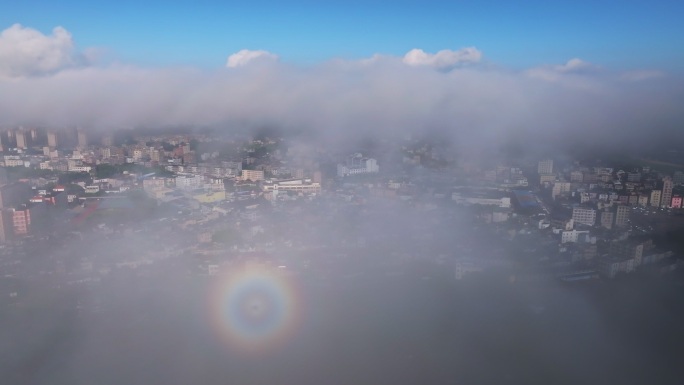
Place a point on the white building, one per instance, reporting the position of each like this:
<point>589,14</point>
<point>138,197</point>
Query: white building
<point>573,236</point>
<point>13,161</point>
<point>560,188</point>
<point>296,185</point>
<point>189,182</point>
<point>584,216</point>
<point>545,166</point>
<point>80,168</point>
<point>253,175</point>
<point>92,189</point>
<point>356,164</point>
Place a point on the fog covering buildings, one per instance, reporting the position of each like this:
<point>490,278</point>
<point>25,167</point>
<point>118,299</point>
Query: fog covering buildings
<point>428,268</point>
<point>399,220</point>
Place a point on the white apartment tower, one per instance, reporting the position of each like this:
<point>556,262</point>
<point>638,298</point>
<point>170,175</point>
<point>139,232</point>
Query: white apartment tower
<point>545,166</point>
<point>584,216</point>
<point>622,216</point>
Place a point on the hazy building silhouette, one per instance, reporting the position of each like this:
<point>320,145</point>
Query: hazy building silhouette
<point>666,197</point>
<point>656,197</point>
<point>52,139</point>
<point>21,139</point>
<point>82,139</point>
<point>107,140</point>
<point>622,216</point>
<point>607,219</point>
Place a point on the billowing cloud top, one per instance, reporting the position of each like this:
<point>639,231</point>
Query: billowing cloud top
<point>575,65</point>
<point>245,56</point>
<point>26,51</point>
<point>574,69</point>
<point>444,59</point>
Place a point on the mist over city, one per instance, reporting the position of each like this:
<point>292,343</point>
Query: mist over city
<point>348,193</point>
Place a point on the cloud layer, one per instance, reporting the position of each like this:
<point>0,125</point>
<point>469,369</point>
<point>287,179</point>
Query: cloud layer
<point>25,51</point>
<point>383,95</point>
<point>245,57</point>
<point>444,59</point>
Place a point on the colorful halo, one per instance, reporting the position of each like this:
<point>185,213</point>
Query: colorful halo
<point>255,308</point>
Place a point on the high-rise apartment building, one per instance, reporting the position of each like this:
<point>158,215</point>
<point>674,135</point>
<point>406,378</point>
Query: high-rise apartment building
<point>21,220</point>
<point>52,139</point>
<point>560,188</point>
<point>607,219</point>
<point>656,196</point>
<point>622,216</point>
<point>545,166</point>
<point>21,139</point>
<point>666,196</point>
<point>82,139</point>
<point>584,216</point>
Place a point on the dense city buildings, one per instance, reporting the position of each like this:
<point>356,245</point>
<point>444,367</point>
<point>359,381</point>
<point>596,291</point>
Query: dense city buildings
<point>144,210</point>
<point>207,186</point>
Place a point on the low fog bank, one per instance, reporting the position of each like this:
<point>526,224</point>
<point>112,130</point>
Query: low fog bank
<point>364,318</point>
<point>386,331</point>
<point>336,102</point>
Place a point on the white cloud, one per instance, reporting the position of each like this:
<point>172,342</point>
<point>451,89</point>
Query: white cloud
<point>246,56</point>
<point>575,65</point>
<point>573,72</point>
<point>347,99</point>
<point>26,51</point>
<point>444,59</point>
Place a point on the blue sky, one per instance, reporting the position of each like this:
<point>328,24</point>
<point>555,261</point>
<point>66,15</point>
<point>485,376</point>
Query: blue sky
<point>622,35</point>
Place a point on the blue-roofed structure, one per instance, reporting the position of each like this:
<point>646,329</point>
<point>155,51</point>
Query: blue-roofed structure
<point>525,199</point>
